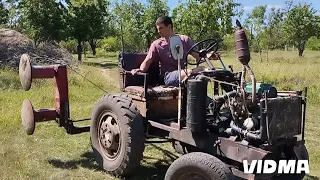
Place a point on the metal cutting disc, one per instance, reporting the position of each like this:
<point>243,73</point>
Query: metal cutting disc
<point>27,116</point>
<point>25,72</point>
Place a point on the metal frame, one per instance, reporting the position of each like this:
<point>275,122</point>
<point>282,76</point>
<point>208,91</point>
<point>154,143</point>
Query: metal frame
<point>61,113</point>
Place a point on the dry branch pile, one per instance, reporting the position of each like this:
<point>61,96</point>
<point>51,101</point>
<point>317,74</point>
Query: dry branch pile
<point>13,44</point>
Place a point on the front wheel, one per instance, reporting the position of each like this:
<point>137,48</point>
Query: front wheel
<point>198,166</point>
<point>117,134</point>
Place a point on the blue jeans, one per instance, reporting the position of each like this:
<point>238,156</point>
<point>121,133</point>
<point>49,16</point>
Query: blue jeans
<point>171,78</point>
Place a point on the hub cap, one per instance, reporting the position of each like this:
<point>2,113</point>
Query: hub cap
<point>109,135</point>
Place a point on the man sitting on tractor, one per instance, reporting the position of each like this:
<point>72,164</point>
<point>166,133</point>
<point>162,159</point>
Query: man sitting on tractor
<point>160,50</point>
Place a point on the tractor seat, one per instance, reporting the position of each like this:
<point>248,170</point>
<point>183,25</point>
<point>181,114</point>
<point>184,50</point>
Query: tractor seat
<point>136,84</point>
<point>156,92</point>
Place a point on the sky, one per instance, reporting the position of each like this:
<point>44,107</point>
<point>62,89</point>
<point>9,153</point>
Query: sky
<point>248,5</point>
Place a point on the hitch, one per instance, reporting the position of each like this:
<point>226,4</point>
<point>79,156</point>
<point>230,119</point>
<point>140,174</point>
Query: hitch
<point>60,113</point>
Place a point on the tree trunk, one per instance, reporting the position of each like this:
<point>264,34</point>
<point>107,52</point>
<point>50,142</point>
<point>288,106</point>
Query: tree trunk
<point>93,46</point>
<point>301,47</point>
<point>79,51</point>
<point>300,51</point>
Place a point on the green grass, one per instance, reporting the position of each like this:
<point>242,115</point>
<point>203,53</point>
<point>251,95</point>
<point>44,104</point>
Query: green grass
<point>52,154</point>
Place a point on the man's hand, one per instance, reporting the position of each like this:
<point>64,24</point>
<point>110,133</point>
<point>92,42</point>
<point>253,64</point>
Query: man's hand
<point>135,71</point>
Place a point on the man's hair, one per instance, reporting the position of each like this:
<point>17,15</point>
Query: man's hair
<point>164,20</point>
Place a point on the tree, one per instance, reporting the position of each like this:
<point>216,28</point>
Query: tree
<point>3,14</point>
<point>87,20</point>
<point>203,19</point>
<point>129,16</point>
<point>43,19</point>
<point>256,21</point>
<point>271,36</point>
<point>299,25</point>
<point>154,9</point>
<point>96,17</point>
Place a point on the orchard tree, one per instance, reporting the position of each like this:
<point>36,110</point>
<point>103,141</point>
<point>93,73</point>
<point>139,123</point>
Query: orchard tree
<point>204,19</point>
<point>129,17</point>
<point>299,25</point>
<point>43,19</point>
<point>256,22</point>
<point>87,22</point>
<point>273,31</point>
<point>154,9</point>
<point>14,13</point>
<point>3,14</point>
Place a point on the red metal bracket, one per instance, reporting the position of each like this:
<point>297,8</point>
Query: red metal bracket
<point>61,112</point>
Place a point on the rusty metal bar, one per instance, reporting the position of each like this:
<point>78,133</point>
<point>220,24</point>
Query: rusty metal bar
<point>163,126</point>
<point>62,95</point>
<point>239,152</point>
<point>42,115</point>
<point>43,72</point>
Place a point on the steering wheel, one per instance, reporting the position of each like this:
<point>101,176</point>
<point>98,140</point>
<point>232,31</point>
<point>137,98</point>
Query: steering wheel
<point>212,46</point>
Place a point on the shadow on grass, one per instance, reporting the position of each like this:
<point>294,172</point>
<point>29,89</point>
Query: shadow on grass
<point>154,170</point>
<point>106,55</point>
<point>107,64</point>
<point>87,161</point>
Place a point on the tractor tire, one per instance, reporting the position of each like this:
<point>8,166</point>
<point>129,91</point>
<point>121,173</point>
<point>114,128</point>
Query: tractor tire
<point>301,153</point>
<point>117,134</point>
<point>199,166</point>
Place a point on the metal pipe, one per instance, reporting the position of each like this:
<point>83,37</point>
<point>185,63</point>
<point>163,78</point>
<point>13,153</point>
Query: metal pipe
<point>243,78</point>
<point>244,132</point>
<point>253,80</point>
<point>180,93</point>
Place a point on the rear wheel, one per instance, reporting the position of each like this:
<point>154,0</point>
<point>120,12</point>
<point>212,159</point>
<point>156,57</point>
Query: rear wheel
<point>198,166</point>
<point>300,152</point>
<point>117,134</point>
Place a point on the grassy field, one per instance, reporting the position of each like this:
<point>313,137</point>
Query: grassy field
<point>52,154</point>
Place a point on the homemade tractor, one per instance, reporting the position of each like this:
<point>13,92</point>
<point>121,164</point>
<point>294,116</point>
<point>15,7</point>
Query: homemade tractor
<point>242,120</point>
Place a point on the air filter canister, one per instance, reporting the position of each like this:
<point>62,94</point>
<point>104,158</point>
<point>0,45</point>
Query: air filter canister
<point>196,105</point>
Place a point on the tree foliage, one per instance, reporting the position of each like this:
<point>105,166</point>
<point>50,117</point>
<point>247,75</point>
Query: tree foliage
<point>299,25</point>
<point>153,10</point>
<point>43,19</point>
<point>4,13</point>
<point>203,19</point>
<point>108,24</point>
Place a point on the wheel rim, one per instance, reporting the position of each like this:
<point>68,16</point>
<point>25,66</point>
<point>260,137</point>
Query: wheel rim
<point>109,135</point>
<point>192,176</point>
